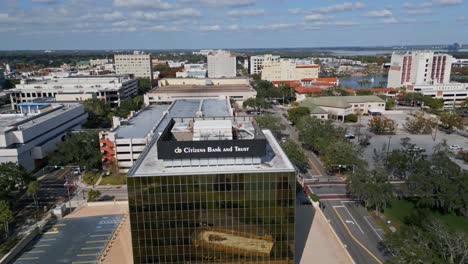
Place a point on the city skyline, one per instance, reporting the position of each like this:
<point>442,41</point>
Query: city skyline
<point>196,24</point>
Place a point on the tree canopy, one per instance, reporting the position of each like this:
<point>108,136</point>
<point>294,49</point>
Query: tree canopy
<point>13,177</point>
<point>372,187</point>
<point>80,149</point>
<point>270,122</point>
<point>296,155</point>
<point>296,113</point>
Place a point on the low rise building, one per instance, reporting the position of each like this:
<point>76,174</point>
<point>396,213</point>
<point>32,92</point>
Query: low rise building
<point>221,64</point>
<point>123,145</point>
<point>308,86</point>
<point>27,138</point>
<point>110,89</point>
<point>337,107</point>
<point>236,89</point>
<point>453,94</point>
<point>193,71</point>
<point>137,64</point>
<point>288,69</point>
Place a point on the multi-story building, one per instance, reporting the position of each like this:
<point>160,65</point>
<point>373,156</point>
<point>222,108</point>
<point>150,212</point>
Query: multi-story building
<point>256,62</point>
<point>419,67</point>
<point>288,69</point>
<point>212,191</point>
<point>137,64</point>
<point>453,94</point>
<point>99,62</point>
<point>123,145</point>
<point>168,90</point>
<point>2,78</point>
<point>221,64</point>
<point>193,71</point>
<point>110,89</point>
<point>27,138</point>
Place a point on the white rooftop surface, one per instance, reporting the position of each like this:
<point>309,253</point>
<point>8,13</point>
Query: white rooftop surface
<point>212,125</point>
<point>141,124</point>
<point>32,120</point>
<point>209,107</point>
<point>149,165</point>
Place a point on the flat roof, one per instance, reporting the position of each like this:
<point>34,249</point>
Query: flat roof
<point>340,101</point>
<point>151,117</point>
<point>203,88</point>
<point>141,124</point>
<point>149,165</point>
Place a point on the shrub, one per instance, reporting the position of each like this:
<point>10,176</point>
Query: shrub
<point>351,118</point>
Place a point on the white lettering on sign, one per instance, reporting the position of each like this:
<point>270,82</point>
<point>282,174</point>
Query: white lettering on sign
<point>178,150</point>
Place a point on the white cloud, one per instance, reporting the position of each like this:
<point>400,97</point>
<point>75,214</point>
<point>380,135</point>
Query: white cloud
<point>113,16</point>
<point>274,26</point>
<point>346,6</point>
<point>210,27</point>
<point>45,1</point>
<point>220,3</point>
<point>391,20</point>
<point>344,24</point>
<point>167,14</point>
<point>246,12</point>
<point>4,18</point>
<point>155,4</point>
<point>423,11</point>
<point>163,28</point>
<point>417,5</point>
<point>316,17</point>
<point>448,2</point>
<point>379,13</point>
<point>234,27</point>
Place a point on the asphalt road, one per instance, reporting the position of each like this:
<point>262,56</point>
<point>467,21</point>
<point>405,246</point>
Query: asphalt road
<point>74,240</point>
<point>353,224</point>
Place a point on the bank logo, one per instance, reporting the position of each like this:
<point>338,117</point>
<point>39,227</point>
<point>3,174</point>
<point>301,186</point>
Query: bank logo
<point>178,150</point>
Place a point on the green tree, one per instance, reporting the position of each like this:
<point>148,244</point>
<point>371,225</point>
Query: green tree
<point>80,149</point>
<point>256,103</point>
<point>6,216</point>
<point>270,122</point>
<point>364,92</point>
<point>129,105</point>
<point>93,195</point>
<point>33,189</point>
<point>351,118</point>
<point>11,83</point>
<point>144,85</point>
<point>287,92</point>
<point>296,113</point>
<point>420,124</point>
<point>318,134</point>
<point>13,177</point>
<point>391,103</point>
<point>340,154</point>
<point>433,103</point>
<point>451,119</point>
<point>296,155</point>
<point>99,113</point>
<point>372,187</point>
<point>381,125</point>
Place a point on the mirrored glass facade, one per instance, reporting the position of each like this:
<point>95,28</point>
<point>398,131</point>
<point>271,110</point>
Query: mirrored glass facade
<point>216,218</point>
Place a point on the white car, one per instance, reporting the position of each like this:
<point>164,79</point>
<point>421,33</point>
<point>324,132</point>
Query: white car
<point>349,136</point>
<point>454,147</point>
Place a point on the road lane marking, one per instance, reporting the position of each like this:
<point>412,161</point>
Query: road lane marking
<point>355,239</point>
<point>43,245</point>
<point>60,225</point>
<point>96,241</point>
<point>338,206</point>
<point>89,255</point>
<point>91,248</point>
<point>84,262</point>
<point>354,219</point>
<point>37,251</point>
<point>375,230</point>
<point>100,235</point>
<point>49,239</point>
<point>31,258</point>
<point>313,165</point>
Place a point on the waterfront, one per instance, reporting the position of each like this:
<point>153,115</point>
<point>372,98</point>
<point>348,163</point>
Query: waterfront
<point>353,82</point>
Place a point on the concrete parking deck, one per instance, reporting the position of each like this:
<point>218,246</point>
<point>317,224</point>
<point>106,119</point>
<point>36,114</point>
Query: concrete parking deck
<point>72,240</point>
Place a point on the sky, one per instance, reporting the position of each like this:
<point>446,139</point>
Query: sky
<point>204,24</point>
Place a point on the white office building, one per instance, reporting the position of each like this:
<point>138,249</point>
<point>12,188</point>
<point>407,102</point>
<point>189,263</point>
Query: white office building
<point>419,67</point>
<point>453,94</point>
<point>27,139</point>
<point>221,64</point>
<point>256,62</point>
<point>110,89</point>
<point>288,69</point>
<point>137,64</point>
<point>193,71</point>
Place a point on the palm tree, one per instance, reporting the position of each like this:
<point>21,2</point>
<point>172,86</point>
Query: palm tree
<point>33,189</point>
<point>5,216</point>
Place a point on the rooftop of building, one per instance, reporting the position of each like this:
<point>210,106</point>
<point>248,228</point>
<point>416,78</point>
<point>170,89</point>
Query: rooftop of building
<point>88,79</point>
<point>203,88</point>
<point>152,117</point>
<point>22,121</point>
<point>340,101</point>
<point>275,161</point>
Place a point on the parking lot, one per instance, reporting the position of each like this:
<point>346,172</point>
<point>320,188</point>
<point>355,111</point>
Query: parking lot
<point>73,240</point>
<point>426,142</point>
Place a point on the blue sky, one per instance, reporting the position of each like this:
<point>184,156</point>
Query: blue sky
<point>193,24</point>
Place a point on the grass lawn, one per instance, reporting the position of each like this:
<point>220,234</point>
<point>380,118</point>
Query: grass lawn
<point>401,208</point>
<point>91,177</point>
<point>120,179</point>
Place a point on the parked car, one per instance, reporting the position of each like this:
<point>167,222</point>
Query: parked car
<point>350,136</point>
<point>454,147</point>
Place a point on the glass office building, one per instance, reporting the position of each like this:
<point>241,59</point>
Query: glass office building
<point>240,210</point>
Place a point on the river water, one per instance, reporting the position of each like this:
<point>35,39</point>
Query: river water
<point>352,82</point>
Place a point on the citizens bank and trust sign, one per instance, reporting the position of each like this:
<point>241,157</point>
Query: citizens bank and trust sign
<point>211,149</point>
